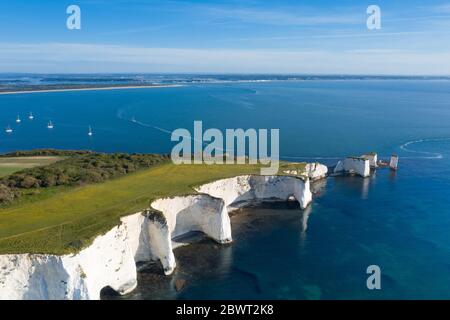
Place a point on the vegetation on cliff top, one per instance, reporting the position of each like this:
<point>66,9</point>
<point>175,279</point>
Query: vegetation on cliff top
<point>63,206</point>
<point>74,168</point>
<point>63,219</point>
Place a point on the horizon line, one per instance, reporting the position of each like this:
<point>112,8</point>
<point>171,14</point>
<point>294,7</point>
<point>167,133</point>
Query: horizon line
<point>232,73</point>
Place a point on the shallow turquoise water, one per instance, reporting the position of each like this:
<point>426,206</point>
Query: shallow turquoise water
<point>397,221</point>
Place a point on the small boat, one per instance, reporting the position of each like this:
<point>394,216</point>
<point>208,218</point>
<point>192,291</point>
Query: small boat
<point>90,133</point>
<point>133,120</point>
<point>18,119</point>
<point>31,117</point>
<point>8,129</point>
<point>50,125</point>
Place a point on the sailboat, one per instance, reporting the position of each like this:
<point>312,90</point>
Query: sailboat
<point>8,129</point>
<point>31,117</point>
<point>18,119</point>
<point>90,133</point>
<point>50,125</point>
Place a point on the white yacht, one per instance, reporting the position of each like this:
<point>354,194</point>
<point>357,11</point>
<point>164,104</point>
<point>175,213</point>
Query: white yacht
<point>8,129</point>
<point>90,133</point>
<point>31,117</point>
<point>18,119</point>
<point>50,125</point>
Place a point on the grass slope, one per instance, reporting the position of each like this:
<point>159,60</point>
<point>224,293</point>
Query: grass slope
<point>67,220</point>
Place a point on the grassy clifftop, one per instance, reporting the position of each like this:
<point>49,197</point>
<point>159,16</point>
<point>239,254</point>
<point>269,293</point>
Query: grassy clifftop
<point>61,205</point>
<point>68,219</point>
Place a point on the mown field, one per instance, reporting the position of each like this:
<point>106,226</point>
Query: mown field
<point>10,165</point>
<point>64,220</point>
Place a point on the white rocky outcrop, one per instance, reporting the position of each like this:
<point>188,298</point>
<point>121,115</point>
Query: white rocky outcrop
<point>181,215</point>
<point>356,165</point>
<point>111,259</point>
<point>393,163</point>
<point>316,171</point>
<point>208,211</point>
<point>373,159</point>
<point>238,191</point>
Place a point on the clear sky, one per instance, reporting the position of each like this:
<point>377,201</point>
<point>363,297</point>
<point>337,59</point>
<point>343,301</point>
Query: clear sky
<point>226,36</point>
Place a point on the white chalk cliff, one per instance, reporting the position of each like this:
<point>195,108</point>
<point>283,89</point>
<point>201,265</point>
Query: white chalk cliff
<point>373,159</point>
<point>316,171</point>
<point>356,165</point>
<point>111,259</point>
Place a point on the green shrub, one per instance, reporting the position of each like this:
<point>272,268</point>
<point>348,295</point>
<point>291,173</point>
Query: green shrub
<point>6,194</point>
<point>79,168</point>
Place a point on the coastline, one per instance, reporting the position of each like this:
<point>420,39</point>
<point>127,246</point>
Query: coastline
<point>145,236</point>
<point>90,89</point>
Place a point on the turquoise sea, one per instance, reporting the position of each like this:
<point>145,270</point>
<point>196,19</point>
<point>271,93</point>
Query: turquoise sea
<point>398,221</point>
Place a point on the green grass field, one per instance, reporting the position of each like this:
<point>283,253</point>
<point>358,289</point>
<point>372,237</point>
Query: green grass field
<point>10,165</point>
<point>64,220</point>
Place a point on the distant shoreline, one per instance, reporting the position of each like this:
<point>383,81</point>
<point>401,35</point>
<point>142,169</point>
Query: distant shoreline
<point>90,89</point>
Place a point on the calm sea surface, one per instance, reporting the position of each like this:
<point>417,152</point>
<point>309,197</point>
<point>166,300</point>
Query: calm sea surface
<point>397,221</point>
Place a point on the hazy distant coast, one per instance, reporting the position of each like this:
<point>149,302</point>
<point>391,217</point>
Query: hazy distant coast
<point>62,88</point>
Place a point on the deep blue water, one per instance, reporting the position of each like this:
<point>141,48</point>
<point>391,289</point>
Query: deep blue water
<point>397,221</point>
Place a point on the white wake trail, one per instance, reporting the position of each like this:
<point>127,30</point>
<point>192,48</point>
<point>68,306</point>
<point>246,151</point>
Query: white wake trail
<point>427,154</point>
<point>147,125</point>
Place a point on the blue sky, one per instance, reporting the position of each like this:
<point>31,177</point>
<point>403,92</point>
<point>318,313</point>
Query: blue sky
<point>249,36</point>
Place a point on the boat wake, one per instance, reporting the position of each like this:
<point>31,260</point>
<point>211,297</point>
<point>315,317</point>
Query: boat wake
<point>147,125</point>
<point>425,154</point>
<point>120,115</point>
<point>406,147</point>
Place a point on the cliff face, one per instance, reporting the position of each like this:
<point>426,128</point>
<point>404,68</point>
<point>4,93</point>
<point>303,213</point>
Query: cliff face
<point>111,259</point>
<point>359,166</point>
<point>237,191</point>
<point>316,171</point>
<point>181,215</point>
<point>373,159</point>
